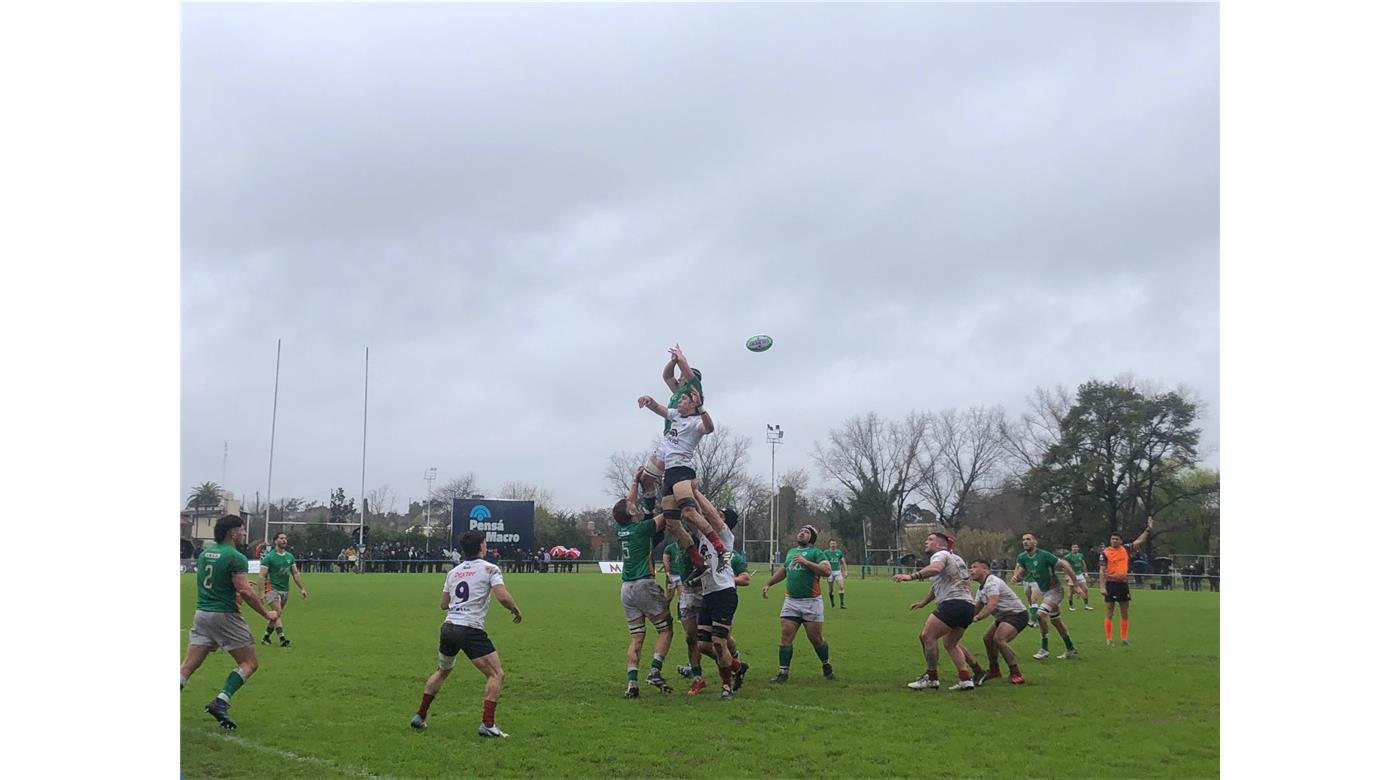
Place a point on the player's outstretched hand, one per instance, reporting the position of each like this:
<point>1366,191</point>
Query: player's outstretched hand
<point>643,401</point>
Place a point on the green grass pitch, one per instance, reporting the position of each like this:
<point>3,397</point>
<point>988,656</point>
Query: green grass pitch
<point>337,702</point>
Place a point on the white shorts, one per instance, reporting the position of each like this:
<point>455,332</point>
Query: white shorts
<point>690,603</point>
<point>1032,589</point>
<point>1079,578</point>
<point>836,576</point>
<point>642,598</point>
<point>803,610</point>
<point>274,596</point>
<point>1050,602</point>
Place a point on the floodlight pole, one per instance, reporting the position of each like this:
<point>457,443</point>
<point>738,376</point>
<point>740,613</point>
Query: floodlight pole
<point>428,476</point>
<point>364,441</point>
<point>775,437</point>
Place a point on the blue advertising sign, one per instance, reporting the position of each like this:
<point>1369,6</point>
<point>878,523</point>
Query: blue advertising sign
<point>506,523</point>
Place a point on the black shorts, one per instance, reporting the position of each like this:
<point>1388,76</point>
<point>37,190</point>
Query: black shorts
<point>955,613</point>
<point>717,609</point>
<point>472,641</point>
<point>1116,592</point>
<point>1017,620</point>
<point>673,475</point>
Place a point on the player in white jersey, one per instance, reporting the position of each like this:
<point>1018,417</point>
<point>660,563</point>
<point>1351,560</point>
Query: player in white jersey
<point>948,576</point>
<point>997,599</point>
<point>689,422</point>
<point>718,601</point>
<point>465,596</point>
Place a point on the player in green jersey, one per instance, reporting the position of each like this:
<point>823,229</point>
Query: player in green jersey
<point>275,566</point>
<point>221,577</point>
<point>837,559</point>
<point>680,384</point>
<point>1040,566</point>
<point>803,605</point>
<point>1076,562</point>
<point>642,598</point>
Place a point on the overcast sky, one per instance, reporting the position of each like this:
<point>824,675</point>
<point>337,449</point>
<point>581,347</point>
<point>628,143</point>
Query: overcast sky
<point>518,208</point>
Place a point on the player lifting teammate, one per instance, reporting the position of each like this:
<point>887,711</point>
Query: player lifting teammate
<point>689,422</point>
<point>221,576</point>
<point>948,577</point>
<point>1113,580</point>
<point>465,596</point>
<point>802,605</point>
<point>273,569</point>
<point>642,598</point>
<point>719,599</point>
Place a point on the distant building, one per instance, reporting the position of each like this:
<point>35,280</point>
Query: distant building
<point>197,525</point>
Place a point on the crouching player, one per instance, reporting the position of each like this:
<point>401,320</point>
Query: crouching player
<point>465,597</point>
<point>996,598</point>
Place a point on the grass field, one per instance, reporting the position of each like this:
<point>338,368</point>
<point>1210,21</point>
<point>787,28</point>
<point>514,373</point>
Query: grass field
<point>337,702</point>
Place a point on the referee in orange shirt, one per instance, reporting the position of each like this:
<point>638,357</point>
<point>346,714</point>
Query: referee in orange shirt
<point>1113,580</point>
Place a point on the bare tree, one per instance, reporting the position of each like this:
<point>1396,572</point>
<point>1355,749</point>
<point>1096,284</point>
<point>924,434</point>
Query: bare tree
<point>524,491</point>
<point>720,460</point>
<point>875,461</point>
<point>959,454</point>
<point>381,500</point>
<point>1028,439</point>
<point>621,466</point>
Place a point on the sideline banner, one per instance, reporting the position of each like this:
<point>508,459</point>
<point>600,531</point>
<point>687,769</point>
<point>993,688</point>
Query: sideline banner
<point>510,523</point>
<point>610,567</point>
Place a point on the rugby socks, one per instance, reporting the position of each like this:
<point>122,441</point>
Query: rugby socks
<point>183,680</point>
<point>1069,643</point>
<point>823,652</point>
<point>932,674</point>
<point>726,675</point>
<point>1108,629</point>
<point>693,554</point>
<point>832,596</point>
<point>232,684</point>
<point>1015,669</point>
<point>972,664</point>
<point>488,713</point>
<point>1123,629</point>
<point>279,631</point>
<point>656,662</point>
<point>424,705</point>
<point>715,540</point>
<point>843,599</point>
<point>631,676</point>
<point>964,675</point>
<point>1045,642</point>
<point>784,657</point>
<point>734,667</point>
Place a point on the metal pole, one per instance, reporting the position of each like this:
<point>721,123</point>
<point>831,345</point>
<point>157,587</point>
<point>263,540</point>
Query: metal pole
<point>276,379</point>
<point>364,439</point>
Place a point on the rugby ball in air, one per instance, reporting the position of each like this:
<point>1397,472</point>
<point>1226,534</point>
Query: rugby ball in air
<point>759,343</point>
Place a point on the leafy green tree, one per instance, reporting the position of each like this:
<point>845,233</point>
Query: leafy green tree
<point>1119,450</point>
<point>342,508</point>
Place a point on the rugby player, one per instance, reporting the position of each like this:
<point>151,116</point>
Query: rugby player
<point>273,569</point>
<point>221,576</point>
<point>1113,580</point>
<point>802,604</point>
<point>465,596</point>
<point>996,598</point>
<point>948,575</point>
<point>837,559</point>
<point>1040,566</point>
<point>642,598</point>
<point>689,422</point>
<point>1076,562</point>
<point>718,601</point>
<point>931,654</point>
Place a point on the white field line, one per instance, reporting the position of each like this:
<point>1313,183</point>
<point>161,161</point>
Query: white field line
<point>812,707</point>
<point>352,771</point>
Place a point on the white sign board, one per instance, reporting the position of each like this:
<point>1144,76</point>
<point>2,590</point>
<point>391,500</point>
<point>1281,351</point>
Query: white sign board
<point>610,567</point>
<point>255,566</point>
